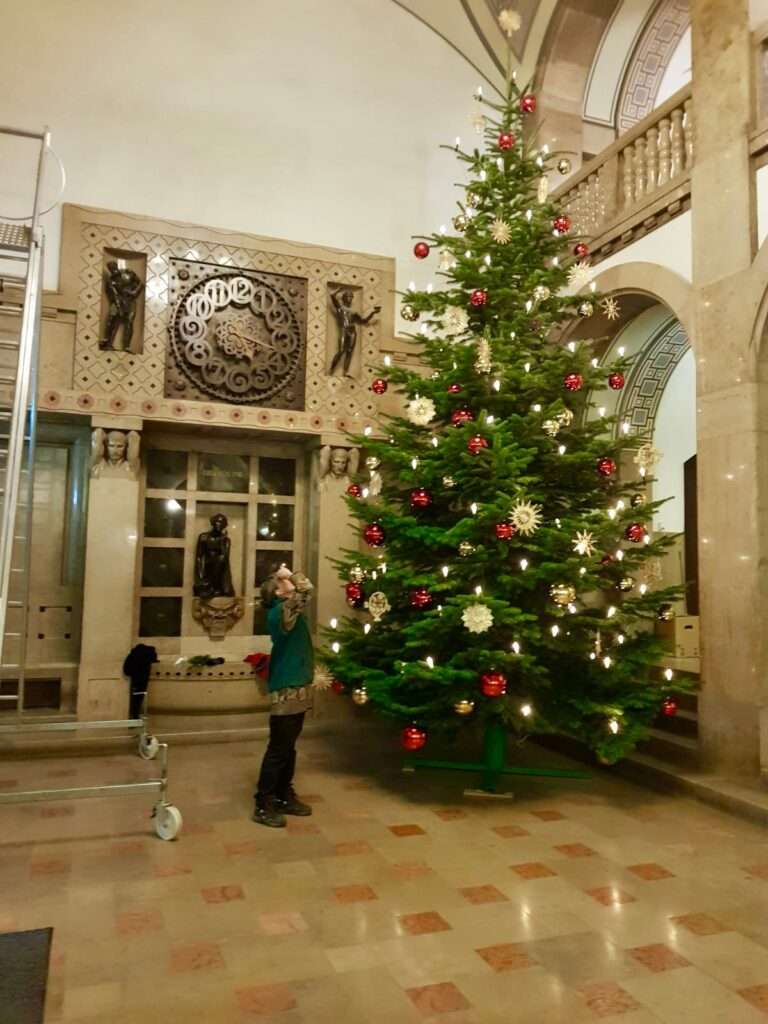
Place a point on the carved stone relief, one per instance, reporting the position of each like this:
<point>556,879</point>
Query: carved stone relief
<point>115,454</point>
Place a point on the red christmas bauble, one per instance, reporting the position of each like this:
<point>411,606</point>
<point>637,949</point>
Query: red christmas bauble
<point>606,466</point>
<point>528,103</point>
<point>635,532</point>
<point>420,597</point>
<point>338,687</point>
<point>379,386</point>
<point>493,683</point>
<point>476,444</point>
<point>581,249</point>
<point>607,559</point>
<point>354,594</point>
<point>355,491</point>
<point>506,140</point>
<point>616,381</point>
<point>421,250</point>
<point>373,534</point>
<point>455,389</point>
<point>573,381</point>
<point>478,297</point>
<point>562,224</point>
<point>413,737</point>
<point>505,531</point>
<point>669,707</point>
<point>461,416</point>
<point>420,497</point>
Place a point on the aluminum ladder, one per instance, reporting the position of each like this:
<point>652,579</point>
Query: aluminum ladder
<point>21,284</point>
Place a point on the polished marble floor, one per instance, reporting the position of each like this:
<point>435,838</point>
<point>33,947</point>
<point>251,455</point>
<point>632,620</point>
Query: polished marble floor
<point>398,901</point>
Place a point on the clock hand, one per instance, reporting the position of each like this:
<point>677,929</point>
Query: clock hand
<point>250,341</point>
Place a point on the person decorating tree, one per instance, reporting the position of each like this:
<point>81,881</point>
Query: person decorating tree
<point>291,670</point>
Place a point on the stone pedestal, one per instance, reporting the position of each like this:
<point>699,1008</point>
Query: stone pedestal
<point>108,589</point>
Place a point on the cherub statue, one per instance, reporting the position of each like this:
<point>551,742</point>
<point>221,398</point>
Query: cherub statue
<point>349,321</point>
<point>115,453</point>
<point>337,463</point>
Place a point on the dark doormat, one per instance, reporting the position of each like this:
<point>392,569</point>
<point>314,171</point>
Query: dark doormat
<point>24,975</point>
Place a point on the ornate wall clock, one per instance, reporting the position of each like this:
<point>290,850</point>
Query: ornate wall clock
<point>237,336</point>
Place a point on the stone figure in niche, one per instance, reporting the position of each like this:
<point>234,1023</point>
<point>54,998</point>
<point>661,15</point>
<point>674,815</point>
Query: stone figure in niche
<point>337,464</point>
<point>123,287</point>
<point>115,453</point>
<point>349,321</point>
<point>213,575</point>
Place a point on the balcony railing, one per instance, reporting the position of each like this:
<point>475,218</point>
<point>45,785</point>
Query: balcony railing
<point>638,182</point>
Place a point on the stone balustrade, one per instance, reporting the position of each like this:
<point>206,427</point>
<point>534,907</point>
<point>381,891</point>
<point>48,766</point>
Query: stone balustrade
<point>641,180</point>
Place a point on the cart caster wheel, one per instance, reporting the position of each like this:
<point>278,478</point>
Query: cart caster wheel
<point>148,747</point>
<point>168,821</point>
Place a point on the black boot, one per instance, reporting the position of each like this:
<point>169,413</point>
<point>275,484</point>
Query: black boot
<point>269,812</point>
<point>292,805</point>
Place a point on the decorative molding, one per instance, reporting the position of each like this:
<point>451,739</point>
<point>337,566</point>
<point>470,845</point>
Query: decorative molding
<point>654,366</point>
<point>650,59</point>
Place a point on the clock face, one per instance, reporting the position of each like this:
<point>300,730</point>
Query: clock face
<point>237,339</point>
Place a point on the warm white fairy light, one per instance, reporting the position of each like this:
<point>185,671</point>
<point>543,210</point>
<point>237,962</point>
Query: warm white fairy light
<point>595,363</point>
<point>458,142</point>
<point>435,442</point>
<point>593,287</point>
<point>483,175</point>
<point>439,609</point>
<point>601,411</point>
<point>490,418</point>
<point>430,661</point>
<point>643,588</point>
<point>555,630</point>
<point>526,710</point>
<point>445,570</point>
<point>523,564</point>
<point>561,449</point>
<point>572,609</point>
<point>473,508</point>
<point>620,638</point>
<point>383,568</point>
<point>367,431</point>
<point>647,539</point>
<point>387,360</point>
<point>555,261</point>
<point>540,161</point>
<point>545,148</point>
<point>334,623</point>
<point>592,656</point>
<point>373,575</point>
<point>478,590</point>
<point>614,726</point>
<point>622,350</point>
<point>487,259</point>
<point>479,92</point>
<point>642,471</point>
<point>500,162</point>
<point>668,674</point>
<point>607,661</point>
<point>335,647</point>
<point>571,346</point>
<point>619,555</point>
<point>611,513</point>
<point>610,613</point>
<point>423,328</point>
<point>515,647</point>
<point>468,253</point>
<point>528,306</point>
<point>621,504</point>
<point>442,229</point>
<point>582,571</point>
<point>529,215</point>
<point>429,288</point>
<point>367,628</point>
<point>527,367</point>
<point>625,427</point>
<point>497,385</point>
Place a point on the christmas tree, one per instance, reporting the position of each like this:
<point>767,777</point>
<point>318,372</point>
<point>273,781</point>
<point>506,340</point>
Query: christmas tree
<point>507,532</point>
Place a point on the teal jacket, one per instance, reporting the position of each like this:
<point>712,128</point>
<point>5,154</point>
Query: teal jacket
<point>292,661</point>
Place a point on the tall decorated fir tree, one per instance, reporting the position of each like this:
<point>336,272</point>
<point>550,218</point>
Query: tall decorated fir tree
<point>505,577</point>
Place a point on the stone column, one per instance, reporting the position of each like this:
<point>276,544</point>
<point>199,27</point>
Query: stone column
<point>109,589</point>
<point>335,530</point>
<point>731,456</point>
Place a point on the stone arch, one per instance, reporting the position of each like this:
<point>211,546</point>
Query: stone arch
<point>658,283</point>
<point>656,362</point>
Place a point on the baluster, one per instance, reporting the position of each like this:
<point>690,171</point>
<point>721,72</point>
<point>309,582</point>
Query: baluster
<point>664,151</point>
<point>640,182</point>
<point>628,178</point>
<point>678,155</point>
<point>652,160</point>
<point>689,130</point>
<point>583,222</point>
<point>594,204</point>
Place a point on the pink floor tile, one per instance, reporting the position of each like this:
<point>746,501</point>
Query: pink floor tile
<point>510,831</point>
<point>303,828</point>
<point>506,957</point>
<point>758,871</point>
<point>354,893</point>
<point>423,923</point>
<point>451,813</point>
<point>441,998</point>
<point>575,850</point>
<point>195,956</point>
<point>608,999</point>
<point>757,996</point>
<point>650,872</point>
<point>263,1000</point>
<point>282,922</point>
<point>171,870</point>
<point>406,830</point>
<point>610,896</point>
<point>9,783</point>
<point>483,894</point>
<point>243,849</point>
<point>138,922</point>
<point>533,869</point>
<point>222,893</point>
<point>700,924</point>
<point>657,957</point>
<point>54,866</point>
<point>548,815</point>
<point>197,828</point>
<point>408,870</point>
<point>353,847</point>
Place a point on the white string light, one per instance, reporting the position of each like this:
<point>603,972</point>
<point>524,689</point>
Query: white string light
<point>497,385</point>
<point>607,661</point>
<point>445,570</point>
<point>529,215</point>
<point>625,427</point>
<point>523,564</point>
<point>668,674</point>
<point>595,364</point>
<point>515,647</point>
<point>367,628</point>
<point>561,449</point>
<point>430,661</point>
<point>610,613</point>
<point>490,418</point>
<point>473,508</point>
<point>335,647</point>
<point>601,411</point>
<point>622,350</point>
<point>435,442</point>
<point>620,638</point>
<point>555,630</point>
<point>334,623</point>
<point>487,259</point>
<point>478,590</point>
<point>526,710</point>
<point>614,726</point>
<point>387,360</point>
<point>367,431</point>
<point>536,407</point>
<point>582,571</point>
<point>414,463</point>
<point>527,367</point>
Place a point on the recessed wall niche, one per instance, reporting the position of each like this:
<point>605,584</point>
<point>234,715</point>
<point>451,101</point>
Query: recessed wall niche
<point>123,284</point>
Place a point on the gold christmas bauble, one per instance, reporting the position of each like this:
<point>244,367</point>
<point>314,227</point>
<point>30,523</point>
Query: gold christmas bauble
<point>564,165</point>
<point>464,707</point>
<point>372,463</point>
<point>473,200</point>
<point>665,613</point>
<point>562,593</point>
<point>637,500</point>
<point>448,481</point>
<point>407,312</point>
<point>550,427</point>
<point>541,293</point>
<point>460,222</point>
<point>465,548</point>
<point>565,418</point>
<point>586,309</point>
<point>626,584</point>
<point>360,696</point>
<point>356,574</point>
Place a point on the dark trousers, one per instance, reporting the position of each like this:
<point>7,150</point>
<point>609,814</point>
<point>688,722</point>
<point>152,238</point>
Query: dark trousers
<point>279,762</point>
